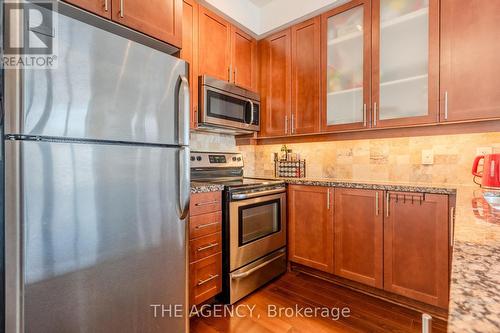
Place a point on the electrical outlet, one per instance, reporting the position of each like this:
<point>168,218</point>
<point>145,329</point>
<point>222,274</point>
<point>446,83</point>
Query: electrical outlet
<point>484,151</point>
<point>427,157</point>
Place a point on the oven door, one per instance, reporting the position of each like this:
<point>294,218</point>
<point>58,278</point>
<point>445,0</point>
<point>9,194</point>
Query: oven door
<point>257,226</point>
<point>222,108</point>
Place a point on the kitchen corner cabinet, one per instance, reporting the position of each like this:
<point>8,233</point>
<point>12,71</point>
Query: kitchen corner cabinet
<point>416,249</point>
<point>189,53</point>
<point>161,19</point>
<point>98,7</point>
<point>306,77</point>
<point>359,228</point>
<point>470,70</point>
<point>310,225</point>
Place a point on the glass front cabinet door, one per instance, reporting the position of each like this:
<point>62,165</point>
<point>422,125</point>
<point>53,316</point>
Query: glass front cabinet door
<point>405,71</point>
<point>346,66</point>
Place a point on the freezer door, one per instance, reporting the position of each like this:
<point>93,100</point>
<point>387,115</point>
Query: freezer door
<point>100,243</point>
<point>105,87</point>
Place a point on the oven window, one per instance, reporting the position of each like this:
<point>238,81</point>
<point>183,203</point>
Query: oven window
<point>259,220</point>
<point>227,107</point>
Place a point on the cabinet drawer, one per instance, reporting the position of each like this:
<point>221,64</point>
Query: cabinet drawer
<point>205,246</point>
<point>202,203</point>
<point>205,279</point>
<point>203,225</point>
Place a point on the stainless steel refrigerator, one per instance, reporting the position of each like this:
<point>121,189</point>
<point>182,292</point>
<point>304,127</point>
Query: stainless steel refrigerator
<point>97,185</point>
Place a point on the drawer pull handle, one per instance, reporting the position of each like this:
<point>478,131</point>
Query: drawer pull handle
<point>201,282</point>
<point>207,247</point>
<point>206,203</point>
<point>201,226</point>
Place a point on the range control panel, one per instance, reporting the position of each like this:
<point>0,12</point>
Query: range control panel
<point>216,160</point>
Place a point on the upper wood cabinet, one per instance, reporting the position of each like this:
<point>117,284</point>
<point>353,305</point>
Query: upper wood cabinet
<point>243,59</point>
<point>306,78</point>
<point>99,7</point>
<point>346,69</point>
<point>359,228</point>
<point>416,249</point>
<point>276,71</point>
<point>405,65</point>
<point>161,19</point>
<point>470,70</point>
<point>189,52</point>
<point>214,46</point>
<point>310,223</point>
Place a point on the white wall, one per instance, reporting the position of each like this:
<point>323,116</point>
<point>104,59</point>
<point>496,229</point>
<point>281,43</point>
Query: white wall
<point>260,21</point>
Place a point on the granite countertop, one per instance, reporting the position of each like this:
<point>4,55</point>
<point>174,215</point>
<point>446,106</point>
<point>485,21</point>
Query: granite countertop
<point>386,186</point>
<point>475,277</point>
<point>197,187</point>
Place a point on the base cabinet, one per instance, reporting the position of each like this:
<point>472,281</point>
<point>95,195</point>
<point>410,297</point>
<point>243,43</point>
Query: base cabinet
<point>395,241</point>
<point>416,247</point>
<point>310,237</point>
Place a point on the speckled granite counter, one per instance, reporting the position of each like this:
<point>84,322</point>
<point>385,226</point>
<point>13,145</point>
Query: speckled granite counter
<point>475,278</point>
<point>197,187</point>
<point>404,187</point>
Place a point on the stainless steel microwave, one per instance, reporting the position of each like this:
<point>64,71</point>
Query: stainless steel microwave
<point>227,108</point>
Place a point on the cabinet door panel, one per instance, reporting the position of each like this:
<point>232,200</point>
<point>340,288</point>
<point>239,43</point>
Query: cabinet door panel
<point>311,226</point>
<point>306,69</point>
<point>99,7</point>
<point>189,53</point>
<point>346,71</point>
<point>275,86</point>
<point>358,235</point>
<point>470,70</point>
<point>244,52</point>
<point>161,19</point>
<point>416,247</point>
<point>405,62</point>
<point>214,45</point>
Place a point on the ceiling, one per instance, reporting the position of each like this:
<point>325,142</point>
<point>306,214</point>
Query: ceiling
<point>261,3</point>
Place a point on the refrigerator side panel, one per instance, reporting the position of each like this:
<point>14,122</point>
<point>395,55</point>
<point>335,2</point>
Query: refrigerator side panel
<point>105,87</point>
<point>13,208</point>
<point>103,244</point>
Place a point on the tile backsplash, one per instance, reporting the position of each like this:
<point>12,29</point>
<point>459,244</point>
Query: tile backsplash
<point>389,160</point>
<point>206,141</point>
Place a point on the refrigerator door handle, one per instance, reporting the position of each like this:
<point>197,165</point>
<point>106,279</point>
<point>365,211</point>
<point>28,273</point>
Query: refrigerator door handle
<point>184,182</point>
<point>184,112</point>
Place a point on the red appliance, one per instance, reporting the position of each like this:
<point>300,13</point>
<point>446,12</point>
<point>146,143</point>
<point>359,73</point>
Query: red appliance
<point>491,171</point>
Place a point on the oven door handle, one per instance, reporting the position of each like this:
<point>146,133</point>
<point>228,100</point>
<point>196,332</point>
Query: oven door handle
<point>256,268</point>
<point>242,196</point>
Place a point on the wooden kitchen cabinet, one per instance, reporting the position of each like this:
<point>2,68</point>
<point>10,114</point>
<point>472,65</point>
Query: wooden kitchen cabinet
<point>276,71</point>
<point>161,19</point>
<point>416,249</point>
<point>359,228</point>
<point>243,59</point>
<point>189,53</point>
<point>99,7</point>
<point>470,70</point>
<point>310,223</point>
<point>214,46</point>
<point>205,246</point>
<point>306,77</point>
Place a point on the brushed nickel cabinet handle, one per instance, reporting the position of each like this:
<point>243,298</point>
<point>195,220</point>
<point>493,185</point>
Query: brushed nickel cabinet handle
<point>122,9</point>
<point>374,114</point>
<point>200,282</point>
<point>387,203</point>
<point>293,124</point>
<point>376,204</point>
<point>207,247</point>
<point>234,72</point>
<point>364,115</point>
<point>446,105</point>
<point>106,5</point>
<point>206,225</point>
<point>206,203</point>
<point>452,225</point>
<point>286,124</point>
<point>328,199</point>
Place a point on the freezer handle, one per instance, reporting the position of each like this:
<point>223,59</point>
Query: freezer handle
<point>184,182</point>
<point>184,99</point>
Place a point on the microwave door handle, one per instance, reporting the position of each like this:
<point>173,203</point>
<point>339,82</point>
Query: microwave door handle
<point>251,113</point>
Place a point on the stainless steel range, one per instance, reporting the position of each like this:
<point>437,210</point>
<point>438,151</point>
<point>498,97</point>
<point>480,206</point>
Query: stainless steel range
<point>254,223</point>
